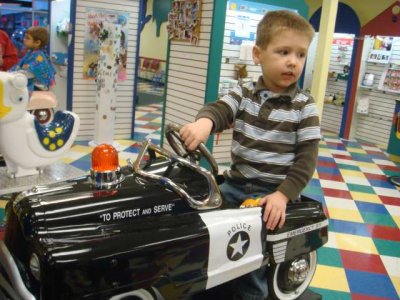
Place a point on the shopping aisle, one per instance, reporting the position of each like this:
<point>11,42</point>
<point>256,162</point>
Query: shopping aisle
<point>362,257</point>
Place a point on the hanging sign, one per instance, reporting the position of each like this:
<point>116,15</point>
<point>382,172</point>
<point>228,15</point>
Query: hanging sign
<point>91,53</point>
<point>381,49</point>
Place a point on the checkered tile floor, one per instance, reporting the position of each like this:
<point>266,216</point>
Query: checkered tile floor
<point>361,261</point>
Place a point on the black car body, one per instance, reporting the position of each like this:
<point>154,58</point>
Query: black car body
<point>161,232</point>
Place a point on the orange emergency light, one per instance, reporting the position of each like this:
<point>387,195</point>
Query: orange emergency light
<point>105,171</point>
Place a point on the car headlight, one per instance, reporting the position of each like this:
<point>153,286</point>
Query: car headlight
<point>34,265</point>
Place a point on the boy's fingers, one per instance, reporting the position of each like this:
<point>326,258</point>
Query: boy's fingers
<point>283,218</point>
<point>273,220</point>
<point>193,145</point>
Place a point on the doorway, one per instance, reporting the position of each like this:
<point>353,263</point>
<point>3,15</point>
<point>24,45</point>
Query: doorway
<point>151,74</point>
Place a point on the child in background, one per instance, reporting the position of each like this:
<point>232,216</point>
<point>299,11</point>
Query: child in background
<point>276,131</point>
<point>36,64</point>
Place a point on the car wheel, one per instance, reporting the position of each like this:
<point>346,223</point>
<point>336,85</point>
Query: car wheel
<point>44,116</point>
<point>289,280</point>
<point>395,180</point>
<point>141,294</point>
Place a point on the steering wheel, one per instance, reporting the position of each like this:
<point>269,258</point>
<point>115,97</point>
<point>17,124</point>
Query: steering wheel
<point>177,144</point>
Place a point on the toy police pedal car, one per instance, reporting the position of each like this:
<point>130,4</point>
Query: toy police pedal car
<point>155,229</point>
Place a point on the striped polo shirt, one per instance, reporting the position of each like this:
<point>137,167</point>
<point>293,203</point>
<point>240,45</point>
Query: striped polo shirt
<point>275,137</point>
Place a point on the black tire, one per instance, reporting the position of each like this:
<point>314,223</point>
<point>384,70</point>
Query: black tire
<point>279,283</point>
<point>395,180</point>
<point>140,294</point>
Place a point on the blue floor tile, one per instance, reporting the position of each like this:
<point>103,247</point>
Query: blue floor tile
<point>349,227</point>
<point>371,284</point>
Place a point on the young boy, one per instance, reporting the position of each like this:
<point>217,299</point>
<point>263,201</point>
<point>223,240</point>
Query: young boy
<point>35,64</point>
<point>276,130</point>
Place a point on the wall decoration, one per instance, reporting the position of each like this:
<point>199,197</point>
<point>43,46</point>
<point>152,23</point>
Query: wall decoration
<point>184,21</point>
<point>363,105</point>
<point>390,80</point>
<point>246,15</point>
<point>95,20</point>
<point>381,49</point>
<point>108,68</point>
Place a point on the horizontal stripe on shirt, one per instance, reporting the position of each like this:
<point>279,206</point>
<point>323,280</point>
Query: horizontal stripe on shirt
<point>265,135</point>
<point>262,156</point>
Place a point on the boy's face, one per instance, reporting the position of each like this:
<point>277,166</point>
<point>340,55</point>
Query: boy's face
<point>30,43</point>
<point>282,61</point>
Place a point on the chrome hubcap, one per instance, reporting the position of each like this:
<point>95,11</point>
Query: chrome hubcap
<point>298,271</point>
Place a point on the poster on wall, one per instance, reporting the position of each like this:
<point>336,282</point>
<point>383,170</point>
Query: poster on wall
<point>390,80</point>
<point>184,21</point>
<point>381,49</point>
<point>244,16</point>
<point>93,30</point>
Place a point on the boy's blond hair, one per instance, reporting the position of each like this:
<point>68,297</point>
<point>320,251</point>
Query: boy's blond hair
<point>275,21</point>
<point>39,34</point>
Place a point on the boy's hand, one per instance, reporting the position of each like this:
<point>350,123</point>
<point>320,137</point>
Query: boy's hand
<point>195,133</point>
<point>275,209</point>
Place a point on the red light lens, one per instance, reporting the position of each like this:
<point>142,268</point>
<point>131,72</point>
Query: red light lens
<point>104,158</point>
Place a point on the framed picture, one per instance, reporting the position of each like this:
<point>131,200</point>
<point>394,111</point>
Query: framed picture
<point>381,49</point>
<point>390,80</point>
<point>184,21</point>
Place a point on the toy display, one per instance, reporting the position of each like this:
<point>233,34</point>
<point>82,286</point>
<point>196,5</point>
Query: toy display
<point>155,229</point>
<point>26,145</point>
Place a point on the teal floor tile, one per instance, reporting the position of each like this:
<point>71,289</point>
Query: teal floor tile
<point>387,247</point>
<point>329,257</point>
<point>348,167</point>
<point>360,188</point>
<point>378,219</point>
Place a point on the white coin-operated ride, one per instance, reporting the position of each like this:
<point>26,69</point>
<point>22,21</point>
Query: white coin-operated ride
<point>42,105</point>
<point>157,228</point>
<point>26,145</point>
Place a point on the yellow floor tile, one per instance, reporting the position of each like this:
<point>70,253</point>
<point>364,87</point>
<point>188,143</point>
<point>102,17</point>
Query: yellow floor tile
<point>356,150</point>
<point>80,148</point>
<point>324,150</point>
<point>352,173</point>
<point>396,283</point>
<point>397,220</point>
<point>372,198</point>
<point>125,142</point>
<point>366,164</point>
<point>323,279</point>
<point>345,214</point>
<point>355,243</point>
<point>67,160</point>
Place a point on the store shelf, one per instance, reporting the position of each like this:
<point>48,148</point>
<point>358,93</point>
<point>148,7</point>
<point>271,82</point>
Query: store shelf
<point>371,88</point>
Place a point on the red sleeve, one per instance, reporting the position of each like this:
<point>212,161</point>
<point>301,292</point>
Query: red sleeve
<point>10,56</point>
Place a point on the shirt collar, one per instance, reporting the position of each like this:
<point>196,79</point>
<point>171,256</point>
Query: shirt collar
<point>290,92</point>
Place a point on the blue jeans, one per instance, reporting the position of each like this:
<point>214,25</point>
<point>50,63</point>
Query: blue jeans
<point>251,286</point>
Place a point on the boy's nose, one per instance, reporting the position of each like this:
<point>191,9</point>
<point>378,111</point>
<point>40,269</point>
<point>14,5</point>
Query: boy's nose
<point>292,60</point>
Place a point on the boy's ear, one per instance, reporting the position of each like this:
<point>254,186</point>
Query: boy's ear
<point>37,43</point>
<point>256,54</point>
